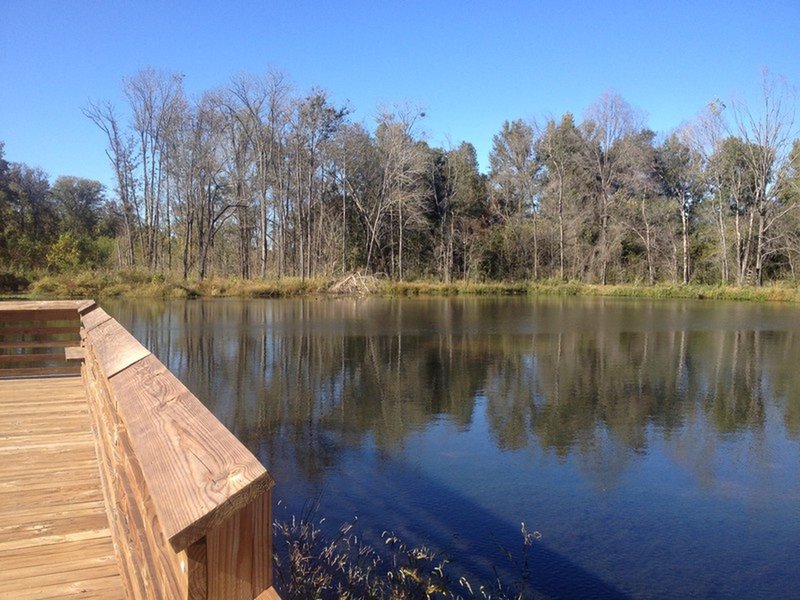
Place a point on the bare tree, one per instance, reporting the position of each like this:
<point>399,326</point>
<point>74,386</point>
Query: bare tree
<point>156,100</point>
<point>560,148</point>
<point>768,133</point>
<point>608,126</point>
<point>680,172</point>
<point>403,175</point>
<point>120,152</point>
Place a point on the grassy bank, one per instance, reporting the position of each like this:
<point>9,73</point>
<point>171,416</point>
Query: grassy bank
<point>141,284</point>
<point>770,293</point>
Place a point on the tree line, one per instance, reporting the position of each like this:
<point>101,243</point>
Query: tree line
<point>255,180</point>
<point>62,226</point>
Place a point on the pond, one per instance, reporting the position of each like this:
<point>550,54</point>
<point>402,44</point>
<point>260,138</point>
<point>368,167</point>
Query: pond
<point>654,444</point>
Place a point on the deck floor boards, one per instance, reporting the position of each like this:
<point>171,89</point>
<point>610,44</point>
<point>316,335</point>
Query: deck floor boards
<point>55,540</point>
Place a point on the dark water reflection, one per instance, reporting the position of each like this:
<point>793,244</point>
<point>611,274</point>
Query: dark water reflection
<point>656,445</point>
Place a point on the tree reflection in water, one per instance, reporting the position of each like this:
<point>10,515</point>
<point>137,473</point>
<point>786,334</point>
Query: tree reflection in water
<point>594,381</point>
<point>556,373</point>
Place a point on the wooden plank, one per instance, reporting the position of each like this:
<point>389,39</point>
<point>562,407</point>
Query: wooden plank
<point>94,582</point>
<point>64,568</point>
<point>65,406</point>
<point>52,495</point>
<point>94,318</point>
<point>269,594</point>
<point>36,330</point>
<point>106,432</point>
<point>37,344</point>
<point>26,558</point>
<point>26,314</point>
<point>197,472</point>
<point>197,570</point>
<point>175,476</point>
<point>76,520</point>
<point>38,357</point>
<point>150,567</point>
<point>54,534</point>
<point>239,553</point>
<point>44,305</point>
<point>39,371</point>
<point>85,306</point>
<point>36,416</point>
<point>74,353</point>
<point>116,349</point>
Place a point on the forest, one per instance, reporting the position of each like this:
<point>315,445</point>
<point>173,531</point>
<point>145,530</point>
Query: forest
<point>256,180</point>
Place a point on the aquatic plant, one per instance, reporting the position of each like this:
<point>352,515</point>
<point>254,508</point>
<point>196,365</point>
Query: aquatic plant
<point>309,564</point>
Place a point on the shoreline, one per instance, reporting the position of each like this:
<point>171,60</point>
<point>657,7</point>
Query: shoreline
<point>123,284</point>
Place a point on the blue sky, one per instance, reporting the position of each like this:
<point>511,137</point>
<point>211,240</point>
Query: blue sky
<point>471,65</point>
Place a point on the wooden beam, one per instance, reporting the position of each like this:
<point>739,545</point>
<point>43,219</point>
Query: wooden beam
<point>73,353</point>
<point>38,357</point>
<point>35,330</point>
<point>198,473</point>
<point>190,504</point>
<point>37,344</point>
<point>115,347</point>
<point>39,371</point>
<point>13,316</point>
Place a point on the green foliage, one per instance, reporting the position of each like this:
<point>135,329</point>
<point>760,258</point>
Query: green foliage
<point>255,179</point>
<point>61,228</point>
<point>71,252</point>
<point>65,254</point>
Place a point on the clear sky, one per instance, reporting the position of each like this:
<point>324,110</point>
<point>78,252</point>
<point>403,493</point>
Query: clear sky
<point>472,65</point>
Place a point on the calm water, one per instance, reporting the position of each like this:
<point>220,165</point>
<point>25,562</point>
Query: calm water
<point>654,444</point>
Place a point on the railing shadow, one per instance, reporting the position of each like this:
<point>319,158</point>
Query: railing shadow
<point>436,518</point>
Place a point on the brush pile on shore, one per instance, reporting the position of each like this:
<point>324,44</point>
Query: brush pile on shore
<point>355,284</point>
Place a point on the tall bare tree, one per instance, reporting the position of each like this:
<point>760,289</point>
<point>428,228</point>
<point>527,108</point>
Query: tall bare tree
<point>768,133</point>
<point>680,172</point>
<point>608,127</point>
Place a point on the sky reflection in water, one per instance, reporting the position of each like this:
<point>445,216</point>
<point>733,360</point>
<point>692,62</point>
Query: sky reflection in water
<point>655,444</point>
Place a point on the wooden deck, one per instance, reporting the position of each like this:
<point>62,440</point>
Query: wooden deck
<point>118,483</point>
<point>55,539</point>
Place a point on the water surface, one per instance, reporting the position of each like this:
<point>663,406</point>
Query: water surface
<point>654,444</point>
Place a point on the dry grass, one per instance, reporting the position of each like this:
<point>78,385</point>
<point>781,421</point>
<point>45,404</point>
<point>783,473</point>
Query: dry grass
<point>143,284</point>
<point>310,565</point>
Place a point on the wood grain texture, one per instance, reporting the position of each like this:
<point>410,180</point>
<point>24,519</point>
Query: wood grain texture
<point>42,355</point>
<point>6,331</point>
<point>197,570</point>
<point>199,474</point>
<point>239,553</point>
<point>116,349</point>
<point>93,318</point>
<point>40,306</point>
<point>189,505</point>
<point>38,344</point>
<point>56,542</point>
<point>31,357</point>
<point>38,372</point>
<point>11,316</point>
<point>269,594</point>
<point>150,567</point>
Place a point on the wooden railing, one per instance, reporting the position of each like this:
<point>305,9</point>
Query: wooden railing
<point>189,506</point>
<point>39,338</point>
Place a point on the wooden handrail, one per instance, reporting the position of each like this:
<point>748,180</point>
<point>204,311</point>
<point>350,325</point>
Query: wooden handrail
<point>34,336</point>
<point>189,506</point>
